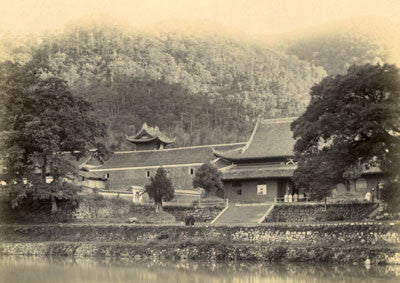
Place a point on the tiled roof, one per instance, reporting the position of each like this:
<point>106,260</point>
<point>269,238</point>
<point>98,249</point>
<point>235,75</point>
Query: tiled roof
<point>88,160</point>
<point>259,171</point>
<point>221,163</point>
<point>183,155</point>
<point>91,175</point>
<point>270,138</point>
<point>147,134</point>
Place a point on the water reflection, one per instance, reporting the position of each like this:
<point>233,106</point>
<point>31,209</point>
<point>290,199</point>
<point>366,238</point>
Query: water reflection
<point>39,269</point>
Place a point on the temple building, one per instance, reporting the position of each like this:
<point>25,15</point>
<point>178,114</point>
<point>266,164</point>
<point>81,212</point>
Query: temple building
<point>260,171</point>
<point>149,138</point>
<point>127,170</point>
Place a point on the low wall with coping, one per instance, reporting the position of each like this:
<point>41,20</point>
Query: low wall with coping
<point>311,212</point>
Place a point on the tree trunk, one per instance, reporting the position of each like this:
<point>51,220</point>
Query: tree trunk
<point>325,203</point>
<point>159,207</point>
<point>43,169</point>
<point>54,207</point>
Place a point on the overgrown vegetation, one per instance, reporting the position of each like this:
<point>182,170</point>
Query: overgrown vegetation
<point>35,204</point>
<point>351,124</point>
<point>391,195</point>
<point>204,86</point>
<point>42,125</point>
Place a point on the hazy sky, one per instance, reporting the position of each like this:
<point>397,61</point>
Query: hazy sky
<point>252,16</point>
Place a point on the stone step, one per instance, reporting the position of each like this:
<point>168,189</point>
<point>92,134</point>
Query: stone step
<point>242,214</point>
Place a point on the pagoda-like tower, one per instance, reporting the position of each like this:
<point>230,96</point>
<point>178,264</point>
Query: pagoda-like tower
<point>150,138</point>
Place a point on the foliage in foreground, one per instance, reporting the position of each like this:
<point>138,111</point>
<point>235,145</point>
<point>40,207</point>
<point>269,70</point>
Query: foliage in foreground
<point>38,203</point>
<point>160,188</point>
<point>391,195</point>
<point>42,126</point>
<point>353,121</point>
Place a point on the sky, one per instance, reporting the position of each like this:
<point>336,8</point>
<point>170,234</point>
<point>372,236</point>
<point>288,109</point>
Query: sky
<point>250,16</point>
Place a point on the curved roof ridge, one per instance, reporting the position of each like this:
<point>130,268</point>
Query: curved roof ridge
<point>251,137</point>
<point>170,156</point>
<point>270,139</point>
<point>180,148</point>
<point>153,132</point>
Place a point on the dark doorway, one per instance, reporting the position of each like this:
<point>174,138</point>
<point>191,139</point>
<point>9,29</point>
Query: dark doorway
<point>293,188</point>
<point>282,185</point>
<point>220,193</point>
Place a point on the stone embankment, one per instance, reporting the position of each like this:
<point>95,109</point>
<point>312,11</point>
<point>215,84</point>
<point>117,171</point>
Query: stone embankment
<point>314,212</point>
<point>331,242</point>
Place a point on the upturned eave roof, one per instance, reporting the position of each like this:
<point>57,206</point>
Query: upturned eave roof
<point>148,134</point>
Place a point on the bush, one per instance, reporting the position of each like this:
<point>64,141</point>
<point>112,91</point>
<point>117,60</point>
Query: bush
<point>333,215</point>
<point>391,195</point>
<point>38,203</point>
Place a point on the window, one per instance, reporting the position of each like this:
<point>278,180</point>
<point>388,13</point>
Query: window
<point>261,189</point>
<point>191,171</point>
<point>239,192</point>
<point>148,174</point>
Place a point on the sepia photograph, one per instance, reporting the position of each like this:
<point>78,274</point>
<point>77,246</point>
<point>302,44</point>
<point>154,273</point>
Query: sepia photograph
<point>204,141</point>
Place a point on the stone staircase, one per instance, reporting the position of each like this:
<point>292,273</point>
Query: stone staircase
<point>243,214</point>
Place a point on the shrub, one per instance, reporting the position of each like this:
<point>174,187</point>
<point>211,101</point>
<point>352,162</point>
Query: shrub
<point>333,215</point>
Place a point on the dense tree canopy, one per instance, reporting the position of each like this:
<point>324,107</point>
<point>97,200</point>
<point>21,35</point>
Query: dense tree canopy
<point>127,73</point>
<point>40,121</point>
<point>160,188</point>
<point>202,85</point>
<point>208,178</point>
<point>352,120</point>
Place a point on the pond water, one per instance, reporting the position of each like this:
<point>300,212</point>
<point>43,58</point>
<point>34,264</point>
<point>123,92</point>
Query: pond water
<point>39,269</point>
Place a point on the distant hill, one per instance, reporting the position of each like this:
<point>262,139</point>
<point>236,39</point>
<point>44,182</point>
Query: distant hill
<point>197,81</point>
<point>337,45</point>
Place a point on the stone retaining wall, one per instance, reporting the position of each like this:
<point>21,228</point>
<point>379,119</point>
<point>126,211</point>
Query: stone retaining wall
<point>309,234</point>
<point>92,209</point>
<point>296,212</point>
<point>342,243</point>
<point>200,214</point>
<point>213,251</point>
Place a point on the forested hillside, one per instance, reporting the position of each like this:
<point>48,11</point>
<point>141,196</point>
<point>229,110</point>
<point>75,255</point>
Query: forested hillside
<point>336,46</point>
<point>201,83</point>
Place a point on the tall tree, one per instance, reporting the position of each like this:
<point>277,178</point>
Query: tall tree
<point>40,121</point>
<point>160,188</point>
<point>352,119</point>
<point>208,177</point>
